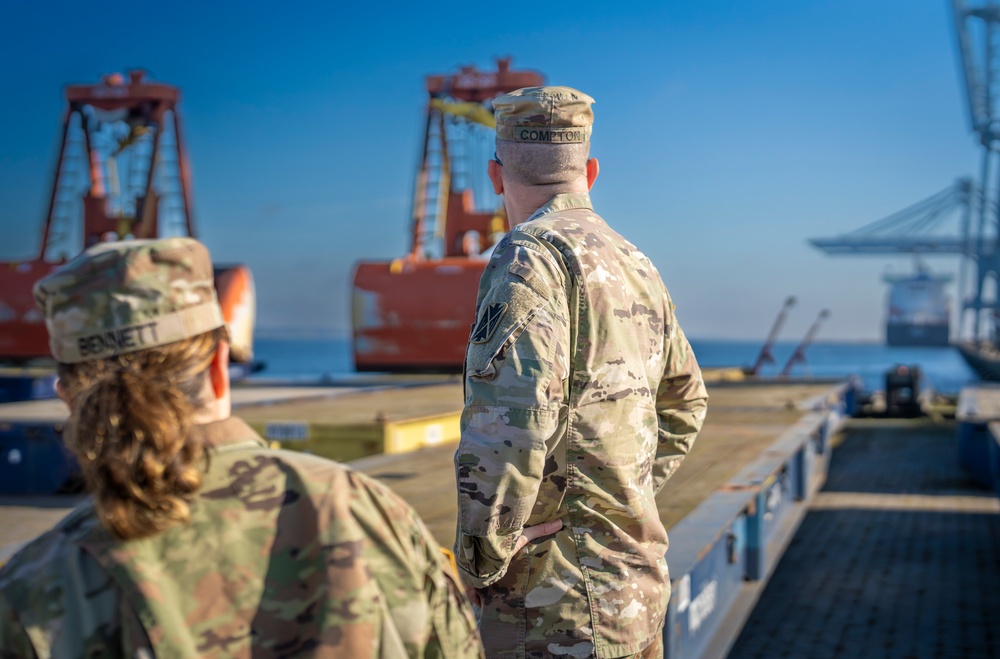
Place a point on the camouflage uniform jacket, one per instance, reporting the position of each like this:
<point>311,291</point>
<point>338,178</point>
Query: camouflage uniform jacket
<point>285,555</point>
<point>582,398</point>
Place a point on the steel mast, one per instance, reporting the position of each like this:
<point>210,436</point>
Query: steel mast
<point>978,33</point>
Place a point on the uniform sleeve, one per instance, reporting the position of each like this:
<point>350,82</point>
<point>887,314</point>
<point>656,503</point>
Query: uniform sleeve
<point>516,365</point>
<point>14,641</point>
<point>454,634</point>
<point>407,578</point>
<point>681,403</point>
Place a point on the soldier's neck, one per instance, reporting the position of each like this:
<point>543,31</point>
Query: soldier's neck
<point>214,407</point>
<point>521,202</point>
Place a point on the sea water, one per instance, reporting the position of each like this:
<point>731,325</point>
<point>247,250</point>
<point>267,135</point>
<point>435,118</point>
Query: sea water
<point>318,359</point>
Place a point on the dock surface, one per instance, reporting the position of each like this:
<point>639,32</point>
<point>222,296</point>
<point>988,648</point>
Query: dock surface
<point>355,406</point>
<point>898,556</point>
<point>743,420</point>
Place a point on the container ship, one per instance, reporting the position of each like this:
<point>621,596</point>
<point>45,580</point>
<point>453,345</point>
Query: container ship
<point>918,309</point>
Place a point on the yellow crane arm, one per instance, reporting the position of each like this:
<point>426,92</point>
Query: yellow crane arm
<point>475,112</point>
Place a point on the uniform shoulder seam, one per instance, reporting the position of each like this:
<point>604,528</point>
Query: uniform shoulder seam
<point>546,248</point>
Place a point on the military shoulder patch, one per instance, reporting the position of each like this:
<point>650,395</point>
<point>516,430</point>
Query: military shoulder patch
<point>489,319</point>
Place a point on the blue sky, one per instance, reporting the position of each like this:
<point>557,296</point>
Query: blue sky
<point>728,133</point>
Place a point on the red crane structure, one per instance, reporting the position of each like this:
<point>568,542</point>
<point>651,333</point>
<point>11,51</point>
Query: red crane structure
<point>413,313</point>
<point>122,172</point>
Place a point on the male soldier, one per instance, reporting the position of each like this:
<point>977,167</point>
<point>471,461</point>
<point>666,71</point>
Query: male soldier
<point>199,540</point>
<point>582,398</point>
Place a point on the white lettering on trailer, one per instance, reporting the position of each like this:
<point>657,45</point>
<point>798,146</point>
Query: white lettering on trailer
<point>773,499</point>
<point>702,605</point>
<point>683,593</point>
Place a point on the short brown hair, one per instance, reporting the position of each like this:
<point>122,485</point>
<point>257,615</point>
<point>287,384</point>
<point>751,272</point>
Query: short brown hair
<point>543,164</point>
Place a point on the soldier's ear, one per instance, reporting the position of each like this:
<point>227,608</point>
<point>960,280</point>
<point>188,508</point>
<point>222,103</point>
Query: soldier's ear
<point>495,172</point>
<point>593,169</point>
<point>219,371</point>
<point>63,394</point>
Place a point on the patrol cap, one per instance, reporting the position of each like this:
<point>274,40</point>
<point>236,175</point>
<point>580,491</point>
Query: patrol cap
<point>121,297</point>
<point>544,115</point>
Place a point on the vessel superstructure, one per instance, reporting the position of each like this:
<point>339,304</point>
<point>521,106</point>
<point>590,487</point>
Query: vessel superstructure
<point>917,309</point>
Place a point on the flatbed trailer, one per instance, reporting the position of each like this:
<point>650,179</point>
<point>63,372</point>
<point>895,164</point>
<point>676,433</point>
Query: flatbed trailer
<point>978,416</point>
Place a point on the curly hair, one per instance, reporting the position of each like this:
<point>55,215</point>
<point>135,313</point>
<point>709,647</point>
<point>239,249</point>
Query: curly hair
<point>130,432</point>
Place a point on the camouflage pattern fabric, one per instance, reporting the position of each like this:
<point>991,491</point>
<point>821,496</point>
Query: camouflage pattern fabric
<point>582,398</point>
<point>121,297</point>
<point>544,115</point>
<point>286,555</point>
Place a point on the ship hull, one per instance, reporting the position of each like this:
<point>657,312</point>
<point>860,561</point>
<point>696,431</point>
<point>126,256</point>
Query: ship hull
<point>917,309</point>
<point>983,360</point>
<point>911,334</point>
<point>24,338</point>
<point>414,316</point>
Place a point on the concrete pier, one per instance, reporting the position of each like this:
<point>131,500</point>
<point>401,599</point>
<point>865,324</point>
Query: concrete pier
<point>898,556</point>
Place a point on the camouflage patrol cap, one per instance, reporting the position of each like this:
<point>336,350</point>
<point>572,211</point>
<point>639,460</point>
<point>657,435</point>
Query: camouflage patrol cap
<point>121,297</point>
<point>544,115</point>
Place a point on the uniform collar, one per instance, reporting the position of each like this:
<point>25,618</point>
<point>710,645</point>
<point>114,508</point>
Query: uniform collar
<point>227,431</point>
<point>563,202</point>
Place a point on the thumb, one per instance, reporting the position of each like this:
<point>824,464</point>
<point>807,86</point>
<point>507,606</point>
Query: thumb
<point>534,532</point>
<point>545,528</point>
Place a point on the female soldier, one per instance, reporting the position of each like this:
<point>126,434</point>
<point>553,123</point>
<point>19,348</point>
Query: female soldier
<point>199,541</point>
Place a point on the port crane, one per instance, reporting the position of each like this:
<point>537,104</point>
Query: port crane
<point>923,229</point>
<point>977,28</point>
<point>413,313</point>
<point>938,225</point>
<point>799,354</point>
<point>121,173</point>
<point>766,356</point>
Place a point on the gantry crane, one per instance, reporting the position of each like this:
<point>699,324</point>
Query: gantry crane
<point>977,28</point>
<point>926,228</point>
<point>922,229</point>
